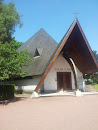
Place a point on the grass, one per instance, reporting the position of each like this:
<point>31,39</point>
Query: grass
<point>95,86</point>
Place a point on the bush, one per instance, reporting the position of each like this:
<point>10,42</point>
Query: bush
<point>88,81</point>
<point>7,91</point>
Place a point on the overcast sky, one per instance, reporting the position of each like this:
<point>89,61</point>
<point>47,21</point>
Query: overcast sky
<point>55,17</point>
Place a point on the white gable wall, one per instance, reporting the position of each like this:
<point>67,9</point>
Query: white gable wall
<point>60,65</point>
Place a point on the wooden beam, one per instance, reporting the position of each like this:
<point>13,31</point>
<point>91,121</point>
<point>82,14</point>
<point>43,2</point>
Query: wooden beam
<point>62,43</point>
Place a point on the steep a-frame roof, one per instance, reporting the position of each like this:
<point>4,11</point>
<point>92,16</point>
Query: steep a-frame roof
<point>75,44</point>
<point>77,48</point>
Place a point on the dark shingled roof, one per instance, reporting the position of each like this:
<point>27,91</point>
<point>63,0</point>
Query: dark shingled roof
<point>45,46</point>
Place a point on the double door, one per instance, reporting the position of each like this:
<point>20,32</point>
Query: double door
<point>64,81</point>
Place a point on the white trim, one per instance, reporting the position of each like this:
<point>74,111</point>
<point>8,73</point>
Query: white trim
<point>36,57</point>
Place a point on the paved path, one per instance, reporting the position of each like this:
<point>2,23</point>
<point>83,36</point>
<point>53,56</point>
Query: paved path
<point>50,113</point>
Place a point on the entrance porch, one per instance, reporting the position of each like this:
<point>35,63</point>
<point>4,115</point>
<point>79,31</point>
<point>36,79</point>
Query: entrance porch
<point>61,78</point>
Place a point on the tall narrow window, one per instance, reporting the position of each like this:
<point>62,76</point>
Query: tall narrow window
<point>36,53</point>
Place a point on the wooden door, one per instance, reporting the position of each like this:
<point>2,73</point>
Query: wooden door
<point>64,81</point>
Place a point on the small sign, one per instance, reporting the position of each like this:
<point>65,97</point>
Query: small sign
<point>62,69</point>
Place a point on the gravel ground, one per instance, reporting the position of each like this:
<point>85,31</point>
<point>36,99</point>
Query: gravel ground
<point>50,113</point>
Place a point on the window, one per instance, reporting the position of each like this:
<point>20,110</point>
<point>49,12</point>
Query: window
<point>38,52</point>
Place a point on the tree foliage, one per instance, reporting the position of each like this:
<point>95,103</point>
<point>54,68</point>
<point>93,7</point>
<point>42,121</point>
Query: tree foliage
<point>95,55</point>
<point>92,78</point>
<point>9,19</point>
<point>11,61</point>
<point>15,43</point>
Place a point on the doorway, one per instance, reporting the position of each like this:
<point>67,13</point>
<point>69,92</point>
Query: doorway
<point>64,81</point>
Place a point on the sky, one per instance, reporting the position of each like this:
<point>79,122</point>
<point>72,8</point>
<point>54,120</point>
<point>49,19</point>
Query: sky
<point>55,17</point>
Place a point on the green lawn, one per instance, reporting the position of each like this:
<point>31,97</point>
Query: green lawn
<point>95,86</point>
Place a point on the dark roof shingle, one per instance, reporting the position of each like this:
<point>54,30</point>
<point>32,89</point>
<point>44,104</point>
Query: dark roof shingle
<point>45,46</point>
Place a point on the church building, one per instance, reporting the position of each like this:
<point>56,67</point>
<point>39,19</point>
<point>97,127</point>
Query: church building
<point>57,67</point>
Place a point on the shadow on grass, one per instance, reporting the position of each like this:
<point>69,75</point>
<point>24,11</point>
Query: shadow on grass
<point>13,100</point>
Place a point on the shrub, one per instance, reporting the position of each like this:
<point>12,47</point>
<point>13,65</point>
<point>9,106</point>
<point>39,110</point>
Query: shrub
<point>7,91</point>
<point>88,81</point>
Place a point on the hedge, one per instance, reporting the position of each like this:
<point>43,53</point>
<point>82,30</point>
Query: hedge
<point>7,91</point>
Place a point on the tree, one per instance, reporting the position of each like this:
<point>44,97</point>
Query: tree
<point>92,78</point>
<point>9,19</point>
<point>11,61</point>
<point>95,54</point>
<point>15,43</point>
